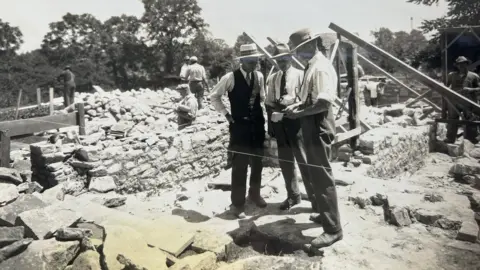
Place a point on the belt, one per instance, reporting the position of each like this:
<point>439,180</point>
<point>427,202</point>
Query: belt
<point>195,81</point>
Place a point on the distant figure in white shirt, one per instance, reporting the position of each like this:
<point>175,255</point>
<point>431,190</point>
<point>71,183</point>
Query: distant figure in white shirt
<point>197,80</point>
<point>282,89</point>
<point>183,70</point>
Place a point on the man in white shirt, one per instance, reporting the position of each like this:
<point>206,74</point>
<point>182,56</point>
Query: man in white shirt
<point>187,107</point>
<point>246,93</point>
<point>315,112</point>
<point>183,70</point>
<point>197,80</point>
<point>282,89</point>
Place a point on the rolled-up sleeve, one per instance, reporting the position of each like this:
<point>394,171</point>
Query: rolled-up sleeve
<point>323,86</point>
<point>223,86</point>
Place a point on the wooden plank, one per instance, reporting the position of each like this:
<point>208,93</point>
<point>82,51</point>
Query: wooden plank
<point>50,95</point>
<point>342,121</point>
<point>417,99</point>
<point>81,118</point>
<point>433,105</point>
<point>32,125</point>
<point>4,148</point>
<point>353,101</point>
<point>18,102</point>
<point>436,86</point>
<point>458,122</point>
<point>39,97</point>
<point>347,135</point>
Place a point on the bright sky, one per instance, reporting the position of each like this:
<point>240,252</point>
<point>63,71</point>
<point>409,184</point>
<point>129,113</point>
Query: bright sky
<point>229,18</point>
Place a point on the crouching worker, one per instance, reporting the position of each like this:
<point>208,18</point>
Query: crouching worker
<point>187,107</point>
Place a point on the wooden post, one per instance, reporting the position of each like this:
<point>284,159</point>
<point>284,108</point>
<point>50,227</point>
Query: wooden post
<point>4,149</point>
<point>39,97</point>
<point>81,118</point>
<point>50,93</point>
<point>18,103</point>
<point>353,98</point>
<point>444,71</point>
<point>337,62</point>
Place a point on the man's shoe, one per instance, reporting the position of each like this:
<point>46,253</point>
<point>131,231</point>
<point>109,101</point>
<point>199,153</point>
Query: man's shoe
<point>227,166</point>
<point>290,202</point>
<point>315,217</point>
<point>258,200</point>
<point>238,212</point>
<point>327,239</point>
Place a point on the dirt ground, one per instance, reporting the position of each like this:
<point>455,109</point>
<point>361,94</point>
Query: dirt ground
<point>369,241</point>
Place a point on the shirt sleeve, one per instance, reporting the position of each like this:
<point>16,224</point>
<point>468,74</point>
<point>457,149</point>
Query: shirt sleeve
<point>269,89</point>
<point>223,86</point>
<point>322,86</point>
<point>261,82</point>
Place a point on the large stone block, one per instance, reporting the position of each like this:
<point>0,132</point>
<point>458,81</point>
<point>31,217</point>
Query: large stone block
<point>9,213</point>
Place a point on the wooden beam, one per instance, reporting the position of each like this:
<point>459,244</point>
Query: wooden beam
<point>39,98</point>
<point>19,100</point>
<point>4,148</point>
<point>436,86</point>
<point>444,65</point>
<point>32,125</point>
<point>347,135</point>
<point>417,99</point>
<point>433,105</point>
<point>458,122</point>
<point>333,51</point>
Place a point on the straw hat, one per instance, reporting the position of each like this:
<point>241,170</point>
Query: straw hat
<point>280,50</point>
<point>249,51</point>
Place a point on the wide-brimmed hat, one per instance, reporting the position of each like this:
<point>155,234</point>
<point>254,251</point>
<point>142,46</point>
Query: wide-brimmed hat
<point>193,59</point>
<point>301,37</point>
<point>249,51</point>
<point>461,59</point>
<point>281,49</point>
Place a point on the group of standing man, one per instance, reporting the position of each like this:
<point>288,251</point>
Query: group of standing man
<point>299,112</point>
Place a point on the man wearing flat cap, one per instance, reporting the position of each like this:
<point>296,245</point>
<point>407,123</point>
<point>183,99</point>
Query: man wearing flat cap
<point>69,86</point>
<point>317,94</point>
<point>197,80</point>
<point>246,93</point>
<point>282,89</point>
<point>467,84</point>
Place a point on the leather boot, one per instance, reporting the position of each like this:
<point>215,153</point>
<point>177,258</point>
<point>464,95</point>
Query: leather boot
<point>256,198</point>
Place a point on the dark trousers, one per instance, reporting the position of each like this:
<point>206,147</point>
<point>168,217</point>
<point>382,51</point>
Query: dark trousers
<point>246,150</point>
<point>290,145</point>
<point>318,157</point>
<point>197,89</point>
<point>470,132</point>
<point>68,95</point>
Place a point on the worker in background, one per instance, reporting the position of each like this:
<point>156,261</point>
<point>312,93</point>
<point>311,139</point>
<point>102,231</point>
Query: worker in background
<point>68,86</point>
<point>466,83</point>
<point>183,70</point>
<point>187,107</point>
<point>197,80</point>
<point>315,111</point>
<point>281,91</point>
<point>246,93</point>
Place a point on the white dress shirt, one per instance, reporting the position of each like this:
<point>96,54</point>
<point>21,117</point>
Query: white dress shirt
<point>183,72</point>
<point>293,82</point>
<point>196,72</point>
<point>226,84</point>
<point>320,80</point>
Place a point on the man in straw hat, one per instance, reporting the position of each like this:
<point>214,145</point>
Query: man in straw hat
<point>69,86</point>
<point>467,84</point>
<point>197,80</point>
<point>246,93</point>
<point>314,110</point>
<point>187,107</point>
<point>282,89</point>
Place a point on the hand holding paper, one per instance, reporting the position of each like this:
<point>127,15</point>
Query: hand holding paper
<point>277,116</point>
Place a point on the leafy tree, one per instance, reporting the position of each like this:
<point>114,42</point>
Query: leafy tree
<point>170,23</point>
<point>11,38</point>
<point>241,40</point>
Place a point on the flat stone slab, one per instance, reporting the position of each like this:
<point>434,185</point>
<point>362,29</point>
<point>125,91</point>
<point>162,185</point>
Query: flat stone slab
<point>9,175</point>
<point>44,255</point>
<point>8,235</point>
<point>43,222</point>
<point>468,232</point>
<point>9,213</point>
<point>8,193</point>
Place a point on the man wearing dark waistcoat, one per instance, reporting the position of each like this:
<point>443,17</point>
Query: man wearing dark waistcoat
<point>246,93</point>
<point>281,91</point>
<point>317,94</point>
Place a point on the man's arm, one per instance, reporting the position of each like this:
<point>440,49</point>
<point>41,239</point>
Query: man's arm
<point>322,95</point>
<point>261,82</point>
<point>475,84</point>
<point>224,85</point>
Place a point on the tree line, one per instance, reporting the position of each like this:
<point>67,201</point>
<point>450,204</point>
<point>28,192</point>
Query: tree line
<point>128,52</point>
